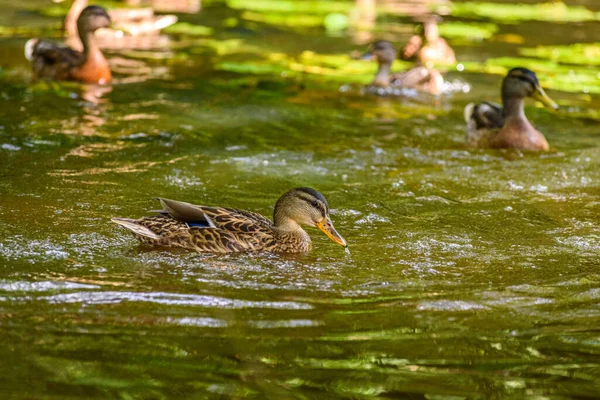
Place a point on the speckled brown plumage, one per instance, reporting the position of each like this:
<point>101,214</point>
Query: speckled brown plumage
<point>227,230</point>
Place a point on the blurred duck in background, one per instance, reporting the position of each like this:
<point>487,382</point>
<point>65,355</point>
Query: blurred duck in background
<point>491,125</point>
<point>428,47</point>
<point>420,77</point>
<point>130,27</point>
<point>53,61</point>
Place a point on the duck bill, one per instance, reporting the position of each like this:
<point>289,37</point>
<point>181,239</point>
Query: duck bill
<point>327,227</point>
<point>540,95</point>
<point>367,56</point>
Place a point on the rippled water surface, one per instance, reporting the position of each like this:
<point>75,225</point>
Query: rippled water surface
<point>471,274</point>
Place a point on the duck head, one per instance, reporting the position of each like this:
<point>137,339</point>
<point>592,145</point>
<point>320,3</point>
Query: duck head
<point>305,206</point>
<point>382,51</point>
<point>92,18</point>
<point>522,82</point>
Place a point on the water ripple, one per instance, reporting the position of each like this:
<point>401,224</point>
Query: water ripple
<point>21,286</point>
<point>113,297</point>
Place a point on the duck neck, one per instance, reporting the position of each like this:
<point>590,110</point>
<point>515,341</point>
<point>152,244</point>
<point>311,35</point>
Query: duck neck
<point>431,31</point>
<point>382,77</point>
<point>71,18</point>
<point>289,229</point>
<point>90,47</point>
<point>513,108</point>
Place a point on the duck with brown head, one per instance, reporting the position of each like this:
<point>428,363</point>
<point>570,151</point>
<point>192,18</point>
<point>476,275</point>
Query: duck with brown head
<point>494,126</point>
<point>227,230</point>
<point>420,78</point>
<point>52,61</point>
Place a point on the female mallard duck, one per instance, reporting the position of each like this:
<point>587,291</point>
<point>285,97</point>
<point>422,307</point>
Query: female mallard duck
<point>421,78</point>
<point>428,47</point>
<point>227,230</point>
<point>494,126</point>
<point>51,61</point>
<point>127,24</point>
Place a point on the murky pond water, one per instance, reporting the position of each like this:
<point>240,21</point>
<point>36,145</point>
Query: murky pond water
<point>471,274</point>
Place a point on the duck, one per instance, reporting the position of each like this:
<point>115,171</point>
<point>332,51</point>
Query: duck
<point>207,229</point>
<point>420,77</point>
<point>52,61</point>
<point>127,25</point>
<point>490,125</point>
<point>428,48</point>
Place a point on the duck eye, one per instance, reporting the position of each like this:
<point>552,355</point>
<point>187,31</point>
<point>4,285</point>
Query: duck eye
<point>315,204</point>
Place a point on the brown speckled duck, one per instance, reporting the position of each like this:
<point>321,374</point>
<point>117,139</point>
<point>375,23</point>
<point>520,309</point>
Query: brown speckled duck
<point>227,230</point>
<point>428,48</point>
<point>421,78</point>
<point>491,125</point>
<point>52,61</point>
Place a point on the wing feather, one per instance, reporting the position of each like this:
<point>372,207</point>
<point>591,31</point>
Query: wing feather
<point>55,53</point>
<point>488,115</point>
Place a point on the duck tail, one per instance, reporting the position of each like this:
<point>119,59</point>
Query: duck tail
<point>136,228</point>
<point>468,112</point>
<point>30,47</point>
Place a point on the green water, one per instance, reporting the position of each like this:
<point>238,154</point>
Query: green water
<point>472,274</point>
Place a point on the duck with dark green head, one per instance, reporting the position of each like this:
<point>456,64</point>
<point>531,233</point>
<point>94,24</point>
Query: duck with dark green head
<point>420,78</point>
<point>228,230</point>
<point>490,125</point>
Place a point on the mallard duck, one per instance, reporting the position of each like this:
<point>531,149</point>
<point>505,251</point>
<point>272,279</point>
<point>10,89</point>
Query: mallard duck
<point>127,24</point>
<point>421,78</point>
<point>494,126</point>
<point>52,61</point>
<point>227,230</point>
<point>428,47</point>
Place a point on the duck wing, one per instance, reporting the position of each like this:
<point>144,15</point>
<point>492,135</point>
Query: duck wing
<point>420,78</point>
<point>220,229</point>
<point>228,219</point>
<point>51,60</point>
<point>203,229</point>
<point>412,46</point>
<point>485,115</point>
<point>412,78</point>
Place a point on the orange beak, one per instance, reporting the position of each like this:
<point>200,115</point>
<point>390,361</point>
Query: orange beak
<point>327,227</point>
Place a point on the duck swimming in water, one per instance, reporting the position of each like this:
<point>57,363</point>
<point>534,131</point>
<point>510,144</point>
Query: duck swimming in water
<point>491,125</point>
<point>52,61</point>
<point>421,78</point>
<point>428,48</point>
<point>228,230</point>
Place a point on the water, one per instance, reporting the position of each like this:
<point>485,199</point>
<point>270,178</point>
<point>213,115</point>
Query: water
<point>471,273</point>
